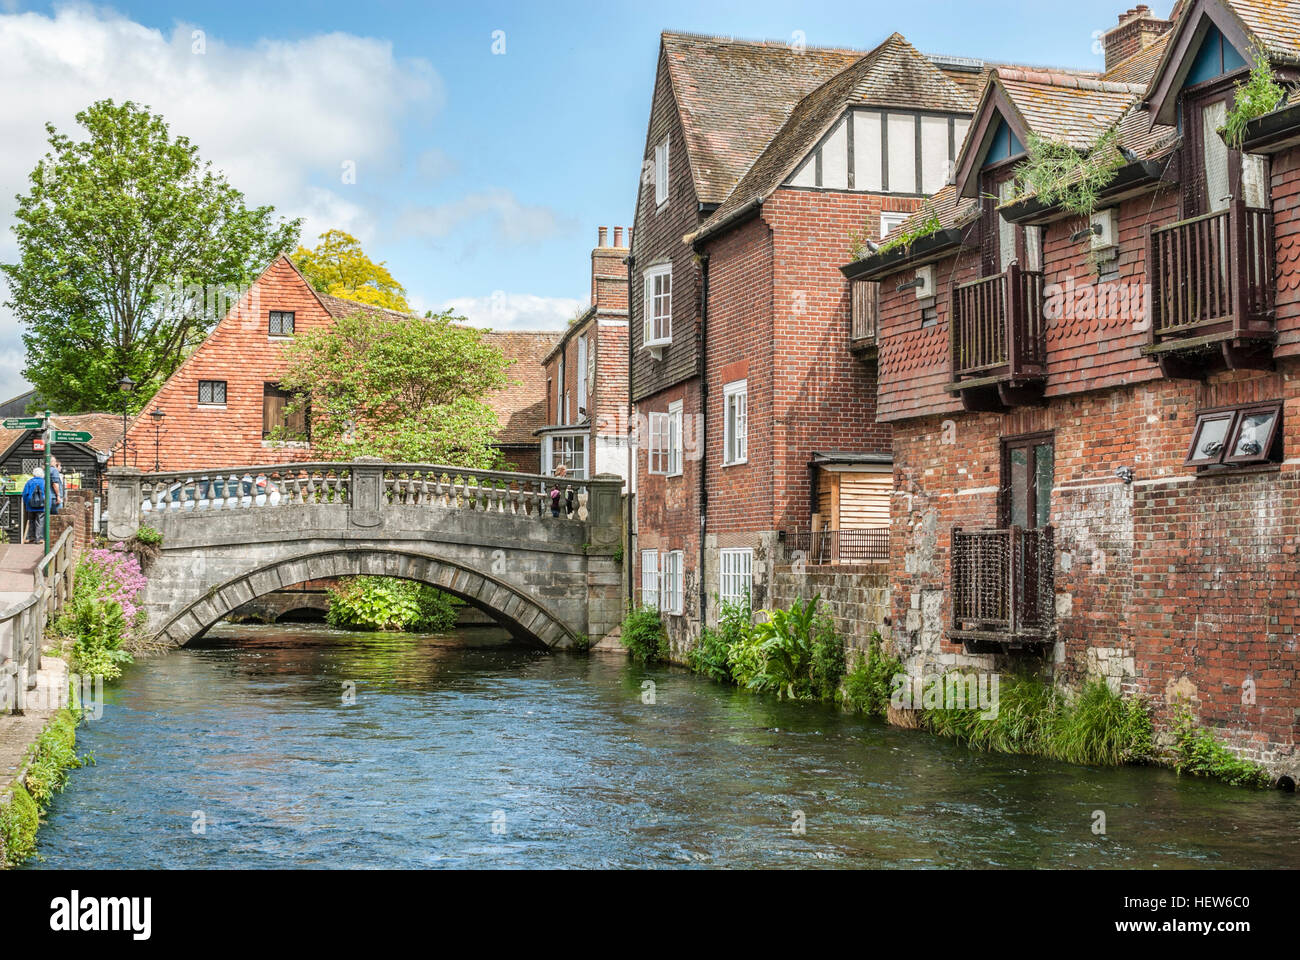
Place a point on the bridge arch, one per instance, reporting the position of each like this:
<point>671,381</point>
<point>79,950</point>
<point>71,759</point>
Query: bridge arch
<point>524,616</point>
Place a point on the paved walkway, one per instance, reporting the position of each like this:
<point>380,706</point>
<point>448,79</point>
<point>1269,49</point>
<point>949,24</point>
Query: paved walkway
<point>18,571</point>
<point>19,733</point>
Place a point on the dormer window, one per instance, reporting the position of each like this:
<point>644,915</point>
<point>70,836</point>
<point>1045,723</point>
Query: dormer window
<point>657,325</point>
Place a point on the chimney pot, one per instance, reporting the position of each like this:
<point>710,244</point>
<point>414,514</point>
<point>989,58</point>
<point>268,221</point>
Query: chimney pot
<point>618,236</point>
<point>601,235</point>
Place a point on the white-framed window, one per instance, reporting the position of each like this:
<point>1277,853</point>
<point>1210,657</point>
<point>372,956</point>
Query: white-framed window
<point>571,451</point>
<point>671,597</point>
<point>582,377</point>
<point>736,572</point>
<point>658,451</point>
<point>889,220</point>
<point>661,173</point>
<point>657,325</point>
<point>650,579</point>
<point>675,439</point>
<point>559,394</point>
<point>735,426</point>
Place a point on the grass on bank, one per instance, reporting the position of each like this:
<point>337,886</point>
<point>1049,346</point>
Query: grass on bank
<point>50,760</point>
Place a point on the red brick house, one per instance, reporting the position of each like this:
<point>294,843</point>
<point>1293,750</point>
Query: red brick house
<point>754,398</point>
<point>1095,418</point>
<point>586,376</point>
<point>224,400</point>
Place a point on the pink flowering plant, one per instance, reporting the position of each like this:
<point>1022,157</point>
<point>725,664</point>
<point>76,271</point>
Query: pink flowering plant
<point>104,613</point>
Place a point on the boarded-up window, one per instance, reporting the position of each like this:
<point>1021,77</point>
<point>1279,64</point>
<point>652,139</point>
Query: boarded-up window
<point>854,501</point>
<point>278,420</point>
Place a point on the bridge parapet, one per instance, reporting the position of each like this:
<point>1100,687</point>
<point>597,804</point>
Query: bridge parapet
<point>366,487</point>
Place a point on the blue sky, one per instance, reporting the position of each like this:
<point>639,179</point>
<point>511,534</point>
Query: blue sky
<point>480,177</point>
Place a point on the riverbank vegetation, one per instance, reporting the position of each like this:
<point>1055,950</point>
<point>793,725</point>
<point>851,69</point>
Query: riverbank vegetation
<point>391,604</point>
<point>644,636</point>
<point>1199,754</point>
<point>45,773</point>
<point>102,624</point>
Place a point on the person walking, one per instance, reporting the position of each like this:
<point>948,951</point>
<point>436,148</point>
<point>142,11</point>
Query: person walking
<point>58,490</point>
<point>34,505</point>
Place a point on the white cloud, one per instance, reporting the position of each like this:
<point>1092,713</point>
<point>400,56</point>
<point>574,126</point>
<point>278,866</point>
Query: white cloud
<point>436,164</point>
<point>509,220</point>
<point>515,311</point>
<point>279,118</point>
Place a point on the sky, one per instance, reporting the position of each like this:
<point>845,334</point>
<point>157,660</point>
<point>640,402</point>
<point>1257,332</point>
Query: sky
<point>473,147</point>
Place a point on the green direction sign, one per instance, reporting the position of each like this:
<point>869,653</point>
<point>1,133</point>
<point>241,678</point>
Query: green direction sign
<point>25,423</point>
<point>71,436</point>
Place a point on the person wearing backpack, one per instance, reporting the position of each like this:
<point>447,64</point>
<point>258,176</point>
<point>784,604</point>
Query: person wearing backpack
<point>34,504</point>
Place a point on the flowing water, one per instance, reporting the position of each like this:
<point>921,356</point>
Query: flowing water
<point>295,746</point>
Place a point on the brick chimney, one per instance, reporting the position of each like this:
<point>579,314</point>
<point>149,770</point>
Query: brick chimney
<point>608,271</point>
<point>1137,30</point>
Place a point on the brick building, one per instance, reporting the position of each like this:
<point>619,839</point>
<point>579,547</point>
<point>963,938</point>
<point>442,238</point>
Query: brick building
<point>1094,417</point>
<point>223,402</point>
<point>754,399</point>
<point>586,375</point>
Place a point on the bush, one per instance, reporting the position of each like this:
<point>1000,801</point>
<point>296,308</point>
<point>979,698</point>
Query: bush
<point>53,756</point>
<point>802,655</point>
<point>390,604</point>
<point>643,634</point>
<point>870,683</point>
<point>99,628</point>
<point>710,657</point>
<point>1197,752</point>
<point>828,659</point>
<point>19,820</point>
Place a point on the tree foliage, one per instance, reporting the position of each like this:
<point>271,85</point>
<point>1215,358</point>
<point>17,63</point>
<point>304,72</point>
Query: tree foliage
<point>338,266</point>
<point>404,389</point>
<point>129,247</point>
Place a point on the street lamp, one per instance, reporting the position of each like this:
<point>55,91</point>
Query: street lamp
<point>126,385</point>
<point>157,416</point>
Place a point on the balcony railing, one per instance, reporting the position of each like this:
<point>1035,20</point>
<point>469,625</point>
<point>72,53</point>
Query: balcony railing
<point>838,546</point>
<point>1213,279</point>
<point>865,313</point>
<point>997,328</point>
<point>1003,585</point>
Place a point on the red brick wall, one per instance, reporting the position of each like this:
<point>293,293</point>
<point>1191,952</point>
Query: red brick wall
<point>1083,352</point>
<point>1192,576</point>
<point>240,352</point>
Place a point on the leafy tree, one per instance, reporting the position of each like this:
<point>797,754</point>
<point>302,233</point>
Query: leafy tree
<point>405,389</point>
<point>126,241</point>
<point>338,266</point>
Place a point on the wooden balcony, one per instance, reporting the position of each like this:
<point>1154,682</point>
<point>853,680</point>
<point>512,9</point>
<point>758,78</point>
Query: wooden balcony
<point>864,317</point>
<point>1213,285</point>
<point>996,344</point>
<point>1003,588</point>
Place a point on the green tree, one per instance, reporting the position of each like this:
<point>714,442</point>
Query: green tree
<point>405,389</point>
<point>129,245</point>
<point>338,266</point>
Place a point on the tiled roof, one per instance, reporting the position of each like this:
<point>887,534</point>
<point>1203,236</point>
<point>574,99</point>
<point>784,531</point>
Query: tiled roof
<point>733,95</point>
<point>105,429</point>
<point>894,74</point>
<point>1275,23</point>
<point>520,407</point>
<point>1140,67</point>
<point>1066,108</point>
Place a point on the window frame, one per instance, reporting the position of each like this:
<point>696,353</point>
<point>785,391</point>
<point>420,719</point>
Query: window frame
<point>657,451</point>
<point>657,329</point>
<point>567,456</point>
<point>1029,442</point>
<point>225,392</point>
<point>661,173</point>
<point>1235,417</point>
<point>293,324</point>
<point>727,557</point>
<point>734,440</point>
<point>675,447</point>
<point>672,582</point>
<point>650,582</point>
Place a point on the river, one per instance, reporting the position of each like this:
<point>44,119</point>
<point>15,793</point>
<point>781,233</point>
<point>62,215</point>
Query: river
<point>300,746</point>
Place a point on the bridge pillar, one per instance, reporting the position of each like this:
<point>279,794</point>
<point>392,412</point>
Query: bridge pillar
<point>604,555</point>
<point>125,494</point>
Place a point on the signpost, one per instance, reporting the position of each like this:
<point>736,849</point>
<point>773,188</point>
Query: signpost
<point>24,423</point>
<point>71,436</point>
<point>49,493</point>
<point>47,439</point>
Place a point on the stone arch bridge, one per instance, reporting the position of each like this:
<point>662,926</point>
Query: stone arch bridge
<point>494,539</point>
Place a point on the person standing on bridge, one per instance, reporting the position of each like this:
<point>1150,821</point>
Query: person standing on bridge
<point>560,473</point>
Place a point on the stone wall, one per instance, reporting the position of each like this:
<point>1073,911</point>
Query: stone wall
<point>856,595</point>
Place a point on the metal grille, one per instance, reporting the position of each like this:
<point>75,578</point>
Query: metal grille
<point>1003,582</point>
<point>839,546</point>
